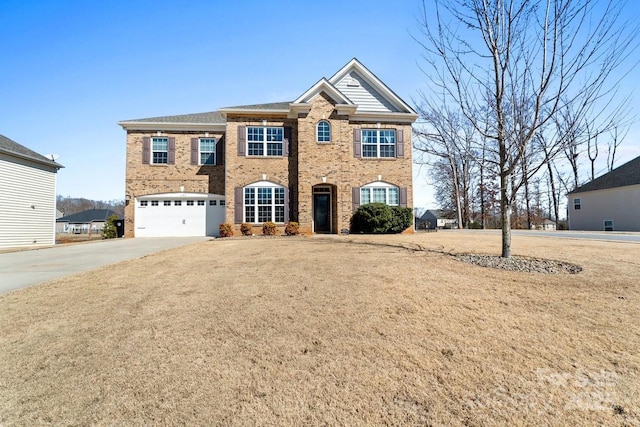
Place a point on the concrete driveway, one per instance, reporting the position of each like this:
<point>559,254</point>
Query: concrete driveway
<point>29,267</point>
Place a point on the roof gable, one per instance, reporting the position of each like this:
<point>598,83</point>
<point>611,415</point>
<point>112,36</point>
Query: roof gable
<point>622,176</point>
<point>10,147</point>
<point>323,85</point>
<point>367,91</point>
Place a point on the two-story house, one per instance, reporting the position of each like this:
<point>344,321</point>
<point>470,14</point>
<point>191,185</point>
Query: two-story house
<point>344,142</point>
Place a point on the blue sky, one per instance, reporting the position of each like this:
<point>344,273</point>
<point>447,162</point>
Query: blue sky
<point>72,69</point>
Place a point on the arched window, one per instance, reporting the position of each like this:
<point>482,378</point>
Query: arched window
<point>264,201</point>
<point>380,192</point>
<point>323,131</point>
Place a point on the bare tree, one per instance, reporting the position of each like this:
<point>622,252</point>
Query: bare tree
<point>521,61</point>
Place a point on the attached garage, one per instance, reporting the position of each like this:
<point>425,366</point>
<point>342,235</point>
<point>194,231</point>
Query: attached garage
<point>179,214</point>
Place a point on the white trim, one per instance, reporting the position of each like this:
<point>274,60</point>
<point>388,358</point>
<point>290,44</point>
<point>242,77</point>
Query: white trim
<point>323,85</point>
<point>161,126</point>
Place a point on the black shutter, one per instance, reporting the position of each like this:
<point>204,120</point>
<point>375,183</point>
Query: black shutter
<point>220,151</point>
<point>286,144</point>
<point>237,204</point>
<point>194,150</point>
<point>171,155</point>
<point>242,140</point>
<point>146,150</point>
<point>357,145</point>
<point>399,143</point>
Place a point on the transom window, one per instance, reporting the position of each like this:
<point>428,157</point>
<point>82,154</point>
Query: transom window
<point>378,143</point>
<point>160,150</point>
<point>376,193</point>
<point>265,141</point>
<point>207,151</point>
<point>263,204</point>
<point>323,131</point>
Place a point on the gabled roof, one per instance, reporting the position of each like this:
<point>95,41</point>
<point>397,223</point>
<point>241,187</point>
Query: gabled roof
<point>87,216</point>
<point>622,176</point>
<point>323,85</point>
<point>12,148</point>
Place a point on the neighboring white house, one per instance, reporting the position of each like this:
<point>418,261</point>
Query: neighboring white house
<point>27,196</point>
<point>610,202</point>
<point>90,221</point>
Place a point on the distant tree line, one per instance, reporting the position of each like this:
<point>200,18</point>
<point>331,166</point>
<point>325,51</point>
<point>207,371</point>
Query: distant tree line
<point>70,205</point>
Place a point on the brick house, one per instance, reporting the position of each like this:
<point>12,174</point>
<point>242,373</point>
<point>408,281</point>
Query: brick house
<point>345,141</point>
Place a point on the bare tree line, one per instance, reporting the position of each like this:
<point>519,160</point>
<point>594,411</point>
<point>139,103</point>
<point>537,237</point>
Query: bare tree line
<point>518,89</point>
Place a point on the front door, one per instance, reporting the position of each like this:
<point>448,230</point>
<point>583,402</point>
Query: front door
<point>322,212</point>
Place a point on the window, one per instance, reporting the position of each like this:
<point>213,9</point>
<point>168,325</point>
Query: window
<point>213,202</point>
<point>143,203</point>
<point>189,202</point>
<point>200,202</point>
<point>378,143</point>
<point>207,151</point>
<point>154,203</point>
<point>265,141</point>
<point>177,203</point>
<point>262,204</point>
<point>379,193</point>
<point>323,131</point>
<point>608,225</point>
<point>167,203</point>
<point>222,202</point>
<point>577,204</point>
<point>160,150</point>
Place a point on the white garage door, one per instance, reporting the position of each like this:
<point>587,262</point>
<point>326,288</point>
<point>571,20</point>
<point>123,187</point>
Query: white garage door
<point>165,215</point>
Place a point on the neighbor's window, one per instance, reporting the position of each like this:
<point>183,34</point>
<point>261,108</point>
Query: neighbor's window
<point>265,141</point>
<point>323,131</point>
<point>160,150</point>
<point>380,193</point>
<point>608,225</point>
<point>378,143</point>
<point>207,151</point>
<point>577,204</point>
<point>262,204</point>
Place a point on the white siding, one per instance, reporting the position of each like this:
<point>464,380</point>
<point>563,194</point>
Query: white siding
<point>27,203</point>
<point>364,95</point>
<point>620,205</point>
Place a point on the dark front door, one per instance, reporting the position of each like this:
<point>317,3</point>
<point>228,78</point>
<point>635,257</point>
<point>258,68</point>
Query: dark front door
<point>321,213</point>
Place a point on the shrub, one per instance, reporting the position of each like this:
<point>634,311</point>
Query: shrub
<point>269,228</point>
<point>292,228</point>
<point>226,230</point>
<point>246,229</point>
<point>109,230</point>
<point>379,218</point>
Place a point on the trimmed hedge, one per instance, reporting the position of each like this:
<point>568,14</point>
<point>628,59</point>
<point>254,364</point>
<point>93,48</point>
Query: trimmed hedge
<point>378,218</point>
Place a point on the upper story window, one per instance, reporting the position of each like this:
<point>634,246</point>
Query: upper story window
<point>207,151</point>
<point>323,131</point>
<point>380,193</point>
<point>378,143</point>
<point>160,150</point>
<point>577,204</point>
<point>265,141</point>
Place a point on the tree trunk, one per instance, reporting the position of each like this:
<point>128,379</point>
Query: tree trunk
<point>505,213</point>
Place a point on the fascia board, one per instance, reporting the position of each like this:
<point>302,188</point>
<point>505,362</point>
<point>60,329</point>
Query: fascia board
<point>160,126</point>
<point>49,163</point>
<point>385,117</point>
<point>323,85</point>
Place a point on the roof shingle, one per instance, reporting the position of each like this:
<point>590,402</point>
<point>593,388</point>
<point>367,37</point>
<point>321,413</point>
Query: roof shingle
<point>11,147</point>
<point>622,176</point>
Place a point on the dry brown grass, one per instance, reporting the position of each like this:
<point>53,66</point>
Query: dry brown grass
<point>330,331</point>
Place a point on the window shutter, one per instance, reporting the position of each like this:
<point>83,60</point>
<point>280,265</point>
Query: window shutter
<point>399,143</point>
<point>238,204</point>
<point>287,141</point>
<point>242,140</point>
<point>146,150</point>
<point>357,145</point>
<point>355,196</point>
<point>220,151</point>
<point>286,204</point>
<point>171,155</point>
<point>403,197</point>
<point>194,151</point>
